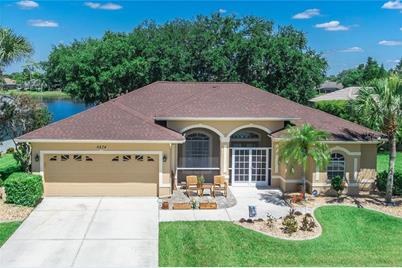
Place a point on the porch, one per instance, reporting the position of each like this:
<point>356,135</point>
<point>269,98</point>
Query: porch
<point>266,201</point>
<point>243,156</point>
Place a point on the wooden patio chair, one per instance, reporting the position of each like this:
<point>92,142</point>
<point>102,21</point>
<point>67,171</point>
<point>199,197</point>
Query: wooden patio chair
<point>220,185</point>
<point>191,185</point>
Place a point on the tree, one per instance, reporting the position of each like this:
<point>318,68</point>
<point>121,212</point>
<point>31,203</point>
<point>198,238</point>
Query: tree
<point>301,144</point>
<point>18,115</point>
<point>209,48</point>
<point>362,74</point>
<point>380,107</point>
<point>12,47</point>
<point>398,68</point>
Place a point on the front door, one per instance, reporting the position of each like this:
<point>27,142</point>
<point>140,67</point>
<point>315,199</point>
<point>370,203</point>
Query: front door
<point>251,166</point>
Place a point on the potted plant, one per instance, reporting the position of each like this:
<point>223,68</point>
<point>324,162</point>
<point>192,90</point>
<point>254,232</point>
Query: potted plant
<point>200,181</point>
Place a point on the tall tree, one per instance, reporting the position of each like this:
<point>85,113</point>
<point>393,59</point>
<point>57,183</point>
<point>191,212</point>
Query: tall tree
<point>362,74</point>
<point>18,115</point>
<point>380,107</point>
<point>301,144</point>
<point>209,48</point>
<point>12,48</point>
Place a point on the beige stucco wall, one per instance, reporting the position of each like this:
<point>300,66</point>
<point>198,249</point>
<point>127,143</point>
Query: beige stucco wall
<point>225,127</point>
<point>360,169</point>
<point>164,148</point>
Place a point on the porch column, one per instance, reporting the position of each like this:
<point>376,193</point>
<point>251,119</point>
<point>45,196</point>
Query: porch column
<point>224,161</point>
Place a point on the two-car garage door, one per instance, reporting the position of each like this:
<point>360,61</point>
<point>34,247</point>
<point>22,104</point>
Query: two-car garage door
<point>81,174</point>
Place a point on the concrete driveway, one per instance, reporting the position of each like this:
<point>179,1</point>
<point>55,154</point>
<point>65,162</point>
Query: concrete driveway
<point>86,232</point>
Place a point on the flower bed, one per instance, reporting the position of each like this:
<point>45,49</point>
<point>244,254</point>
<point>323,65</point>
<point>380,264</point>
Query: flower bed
<point>304,226</point>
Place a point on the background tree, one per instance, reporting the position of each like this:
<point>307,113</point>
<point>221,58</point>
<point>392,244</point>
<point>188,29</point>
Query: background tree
<point>362,74</point>
<point>209,48</point>
<point>18,115</point>
<point>12,48</point>
<point>301,144</point>
<point>380,107</point>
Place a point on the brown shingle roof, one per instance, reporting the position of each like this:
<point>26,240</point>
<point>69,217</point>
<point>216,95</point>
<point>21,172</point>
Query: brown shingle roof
<point>131,116</point>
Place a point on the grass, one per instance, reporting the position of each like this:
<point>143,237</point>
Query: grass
<point>351,237</point>
<point>383,161</point>
<point>7,229</point>
<point>37,94</point>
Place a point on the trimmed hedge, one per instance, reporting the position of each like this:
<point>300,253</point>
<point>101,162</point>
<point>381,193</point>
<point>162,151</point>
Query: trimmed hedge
<point>8,165</point>
<point>23,189</point>
<point>382,182</point>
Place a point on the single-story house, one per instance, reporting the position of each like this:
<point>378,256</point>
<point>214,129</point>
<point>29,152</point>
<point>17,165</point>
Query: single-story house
<point>145,142</point>
<point>8,83</point>
<point>329,86</point>
<point>345,94</point>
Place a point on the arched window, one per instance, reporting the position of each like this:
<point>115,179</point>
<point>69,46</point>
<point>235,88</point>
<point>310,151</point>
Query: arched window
<point>197,150</point>
<point>245,138</point>
<point>336,166</point>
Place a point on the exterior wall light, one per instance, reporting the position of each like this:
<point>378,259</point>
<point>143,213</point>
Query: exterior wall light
<point>37,157</point>
<point>164,158</point>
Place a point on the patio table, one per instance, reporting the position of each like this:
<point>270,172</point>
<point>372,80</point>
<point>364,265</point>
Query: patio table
<point>207,186</point>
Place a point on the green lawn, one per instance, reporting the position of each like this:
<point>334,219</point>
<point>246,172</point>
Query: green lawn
<point>7,229</point>
<point>37,94</point>
<point>351,237</point>
<point>383,161</point>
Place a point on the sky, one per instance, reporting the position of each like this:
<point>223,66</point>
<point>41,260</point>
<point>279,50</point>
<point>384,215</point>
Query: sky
<point>345,32</point>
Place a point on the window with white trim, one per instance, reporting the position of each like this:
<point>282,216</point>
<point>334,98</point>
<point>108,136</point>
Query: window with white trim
<point>197,150</point>
<point>336,166</point>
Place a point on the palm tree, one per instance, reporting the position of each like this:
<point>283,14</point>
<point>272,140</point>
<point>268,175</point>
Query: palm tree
<point>301,144</point>
<point>12,47</point>
<point>380,107</point>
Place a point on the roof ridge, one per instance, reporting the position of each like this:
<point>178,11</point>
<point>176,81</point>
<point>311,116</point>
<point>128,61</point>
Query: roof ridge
<point>146,120</point>
<point>197,82</point>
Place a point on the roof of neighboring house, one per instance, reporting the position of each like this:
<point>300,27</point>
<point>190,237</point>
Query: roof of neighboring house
<point>9,81</point>
<point>330,84</point>
<point>132,116</point>
<point>348,93</point>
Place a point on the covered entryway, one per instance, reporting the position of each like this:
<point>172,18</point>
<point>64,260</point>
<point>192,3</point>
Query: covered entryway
<point>250,158</point>
<point>102,174</point>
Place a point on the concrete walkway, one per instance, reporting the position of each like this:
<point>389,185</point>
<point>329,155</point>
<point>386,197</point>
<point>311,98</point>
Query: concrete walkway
<point>86,232</point>
<point>266,201</point>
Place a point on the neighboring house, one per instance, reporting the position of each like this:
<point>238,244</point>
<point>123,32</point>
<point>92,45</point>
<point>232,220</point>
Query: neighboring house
<point>346,94</point>
<point>8,83</point>
<point>146,141</point>
<point>329,86</point>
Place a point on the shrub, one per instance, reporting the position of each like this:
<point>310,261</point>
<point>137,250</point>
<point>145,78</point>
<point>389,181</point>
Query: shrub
<point>307,224</point>
<point>23,189</point>
<point>290,223</point>
<point>382,182</point>
<point>338,184</point>
<point>270,220</point>
<point>10,150</point>
<point>8,165</point>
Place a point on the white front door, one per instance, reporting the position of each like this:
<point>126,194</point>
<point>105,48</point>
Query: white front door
<point>251,166</point>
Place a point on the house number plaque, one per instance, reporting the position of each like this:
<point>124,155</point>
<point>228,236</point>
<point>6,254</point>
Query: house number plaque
<point>101,147</point>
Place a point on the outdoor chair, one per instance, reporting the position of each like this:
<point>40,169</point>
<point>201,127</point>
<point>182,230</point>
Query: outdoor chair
<point>220,185</point>
<point>191,185</point>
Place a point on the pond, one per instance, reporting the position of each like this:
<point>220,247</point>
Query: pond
<point>63,108</point>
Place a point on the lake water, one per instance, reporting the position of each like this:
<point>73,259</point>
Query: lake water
<point>63,108</point>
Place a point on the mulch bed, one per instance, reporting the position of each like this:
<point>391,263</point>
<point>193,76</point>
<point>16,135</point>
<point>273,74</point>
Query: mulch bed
<point>10,212</point>
<point>276,229</point>
<point>373,201</point>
